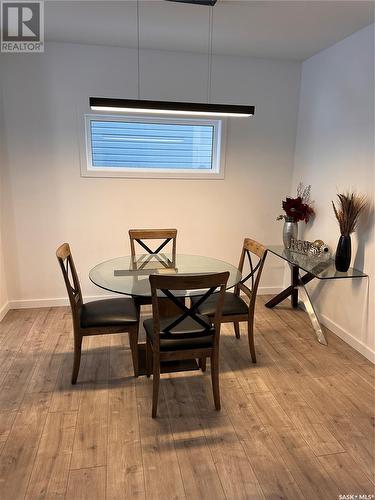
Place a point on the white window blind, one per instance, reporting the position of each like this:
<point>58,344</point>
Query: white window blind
<point>127,145</point>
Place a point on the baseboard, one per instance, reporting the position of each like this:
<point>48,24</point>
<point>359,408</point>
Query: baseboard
<point>347,337</point>
<point>64,301</point>
<point>57,302</point>
<point>3,310</point>
<point>269,290</point>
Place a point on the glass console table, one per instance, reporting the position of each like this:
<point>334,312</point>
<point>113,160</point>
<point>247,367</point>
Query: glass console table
<point>313,267</point>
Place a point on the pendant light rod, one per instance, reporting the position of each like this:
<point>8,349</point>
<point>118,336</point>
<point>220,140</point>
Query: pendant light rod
<point>209,51</point>
<point>138,55</point>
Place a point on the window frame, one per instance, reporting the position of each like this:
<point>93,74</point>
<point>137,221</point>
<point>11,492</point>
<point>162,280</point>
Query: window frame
<point>218,149</point>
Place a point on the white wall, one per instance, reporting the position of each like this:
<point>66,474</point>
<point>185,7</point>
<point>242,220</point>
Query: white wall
<point>48,202</point>
<point>3,284</point>
<point>3,288</point>
<point>334,153</point>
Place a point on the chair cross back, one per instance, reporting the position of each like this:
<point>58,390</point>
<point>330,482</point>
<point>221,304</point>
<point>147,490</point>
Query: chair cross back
<point>66,262</point>
<point>251,247</point>
<point>160,247</point>
<point>253,270</point>
<point>208,282</point>
<point>187,312</point>
<point>138,235</point>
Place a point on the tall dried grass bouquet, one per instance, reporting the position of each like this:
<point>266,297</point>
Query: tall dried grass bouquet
<point>349,208</point>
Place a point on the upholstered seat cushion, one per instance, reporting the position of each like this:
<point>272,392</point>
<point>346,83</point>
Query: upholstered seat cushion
<point>187,326</point>
<point>232,305</point>
<point>109,312</point>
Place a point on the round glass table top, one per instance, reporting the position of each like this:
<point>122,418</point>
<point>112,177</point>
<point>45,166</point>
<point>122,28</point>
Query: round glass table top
<point>130,276</point>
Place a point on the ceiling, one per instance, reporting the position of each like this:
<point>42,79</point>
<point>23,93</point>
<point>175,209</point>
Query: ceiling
<point>276,29</point>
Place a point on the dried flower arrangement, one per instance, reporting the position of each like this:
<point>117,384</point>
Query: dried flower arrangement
<point>298,208</point>
<point>350,207</point>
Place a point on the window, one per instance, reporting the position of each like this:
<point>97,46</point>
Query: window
<point>124,146</point>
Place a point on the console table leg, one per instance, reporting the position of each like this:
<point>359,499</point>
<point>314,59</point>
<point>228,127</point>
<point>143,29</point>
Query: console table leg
<point>292,290</point>
<point>306,300</point>
<point>295,283</point>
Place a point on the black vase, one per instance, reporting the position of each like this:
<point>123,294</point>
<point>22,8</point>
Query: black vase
<point>343,253</point>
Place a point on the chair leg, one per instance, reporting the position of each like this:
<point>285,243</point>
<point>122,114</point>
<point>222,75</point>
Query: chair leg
<point>155,384</point>
<point>237,329</point>
<point>133,341</point>
<point>77,357</point>
<point>202,364</point>
<point>215,378</point>
<point>250,334</point>
<point>148,357</point>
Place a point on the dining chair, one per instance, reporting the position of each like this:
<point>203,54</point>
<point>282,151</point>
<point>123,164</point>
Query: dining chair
<point>138,236</point>
<point>189,335</point>
<point>106,316</point>
<point>235,309</point>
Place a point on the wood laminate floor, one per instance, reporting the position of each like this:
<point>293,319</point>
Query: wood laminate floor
<point>298,424</point>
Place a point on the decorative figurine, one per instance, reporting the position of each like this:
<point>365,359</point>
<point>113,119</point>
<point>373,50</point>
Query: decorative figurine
<point>316,248</point>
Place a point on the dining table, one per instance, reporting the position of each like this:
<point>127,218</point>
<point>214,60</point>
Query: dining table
<point>129,275</point>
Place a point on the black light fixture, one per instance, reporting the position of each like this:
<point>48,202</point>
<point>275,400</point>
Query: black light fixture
<point>170,107</point>
<point>196,2</point>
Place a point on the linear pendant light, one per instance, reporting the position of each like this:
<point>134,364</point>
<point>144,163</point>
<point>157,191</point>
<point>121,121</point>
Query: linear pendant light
<point>170,107</point>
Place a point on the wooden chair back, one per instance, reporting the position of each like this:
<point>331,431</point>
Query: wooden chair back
<point>255,253</point>
<point>64,256</point>
<point>139,235</point>
<point>207,283</point>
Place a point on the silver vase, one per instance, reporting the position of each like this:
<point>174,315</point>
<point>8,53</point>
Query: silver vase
<point>290,230</point>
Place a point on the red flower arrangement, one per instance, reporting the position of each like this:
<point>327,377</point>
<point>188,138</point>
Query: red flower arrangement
<point>299,208</point>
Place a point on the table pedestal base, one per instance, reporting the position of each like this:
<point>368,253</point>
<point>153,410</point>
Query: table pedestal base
<point>297,288</point>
